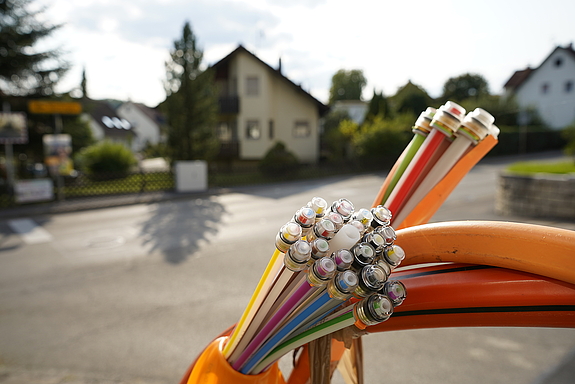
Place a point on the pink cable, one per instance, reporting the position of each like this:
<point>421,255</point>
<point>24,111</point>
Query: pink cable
<point>295,300</point>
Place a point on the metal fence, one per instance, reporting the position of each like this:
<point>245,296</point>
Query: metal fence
<point>219,176</point>
<point>104,184</point>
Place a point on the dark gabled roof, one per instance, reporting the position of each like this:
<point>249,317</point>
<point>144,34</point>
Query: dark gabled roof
<point>518,78</point>
<point>105,116</point>
<point>223,62</point>
<point>152,113</point>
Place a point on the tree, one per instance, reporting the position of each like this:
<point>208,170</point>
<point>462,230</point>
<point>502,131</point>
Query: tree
<point>25,70</point>
<point>411,98</point>
<point>378,106</point>
<point>347,85</point>
<point>464,87</point>
<point>191,104</point>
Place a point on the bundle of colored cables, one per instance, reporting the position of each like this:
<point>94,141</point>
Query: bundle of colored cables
<point>445,145</point>
<point>329,271</point>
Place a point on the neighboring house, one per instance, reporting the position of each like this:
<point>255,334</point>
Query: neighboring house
<point>260,106</point>
<point>549,88</point>
<point>145,121</point>
<point>106,124</point>
<point>356,109</point>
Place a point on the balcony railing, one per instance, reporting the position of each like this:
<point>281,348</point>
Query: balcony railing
<point>229,105</point>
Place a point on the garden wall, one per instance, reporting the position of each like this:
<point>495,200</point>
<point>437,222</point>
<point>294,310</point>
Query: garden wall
<point>540,195</point>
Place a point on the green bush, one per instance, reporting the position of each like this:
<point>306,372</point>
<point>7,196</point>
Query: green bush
<point>383,140</point>
<point>105,157</point>
<point>279,162</point>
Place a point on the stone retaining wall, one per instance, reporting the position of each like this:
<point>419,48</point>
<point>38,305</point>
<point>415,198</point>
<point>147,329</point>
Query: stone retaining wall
<point>540,195</point>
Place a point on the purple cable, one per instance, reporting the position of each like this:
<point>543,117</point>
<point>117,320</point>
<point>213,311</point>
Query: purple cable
<point>296,299</point>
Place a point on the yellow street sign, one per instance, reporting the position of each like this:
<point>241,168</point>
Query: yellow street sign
<point>54,107</point>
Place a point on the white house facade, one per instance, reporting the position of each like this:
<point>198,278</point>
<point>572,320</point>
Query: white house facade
<point>259,106</point>
<point>549,88</point>
<point>145,122</point>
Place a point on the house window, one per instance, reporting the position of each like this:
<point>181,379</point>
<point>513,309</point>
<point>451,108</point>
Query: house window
<point>568,86</point>
<point>558,61</point>
<point>224,132</point>
<point>301,129</point>
<point>253,130</point>
<point>545,88</point>
<point>252,86</point>
<point>271,129</point>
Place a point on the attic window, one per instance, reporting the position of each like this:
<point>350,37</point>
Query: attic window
<point>558,61</point>
<point>252,86</point>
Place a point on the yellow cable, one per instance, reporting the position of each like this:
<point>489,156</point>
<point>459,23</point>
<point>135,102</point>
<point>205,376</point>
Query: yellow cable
<point>255,302</point>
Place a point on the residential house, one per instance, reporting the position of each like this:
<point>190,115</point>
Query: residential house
<point>549,88</point>
<point>260,106</point>
<point>106,124</point>
<point>355,109</point>
<point>145,121</point>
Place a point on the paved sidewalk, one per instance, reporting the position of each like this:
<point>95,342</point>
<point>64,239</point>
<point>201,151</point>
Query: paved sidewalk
<point>54,376</point>
<point>87,203</point>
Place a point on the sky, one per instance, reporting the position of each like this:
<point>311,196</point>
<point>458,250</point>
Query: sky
<point>123,45</point>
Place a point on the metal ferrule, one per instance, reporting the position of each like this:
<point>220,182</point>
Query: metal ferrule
<point>344,207</point>
<point>298,255</point>
<point>448,118</point>
<point>343,259</point>
<point>388,234</point>
<point>363,254</point>
<point>321,271</point>
<point>394,255</point>
<point>371,279</point>
<point>324,229</point>
<point>373,309</point>
<point>383,264</point>
<point>395,290</point>
<point>336,219</point>
<point>422,124</point>
<point>305,217</point>
<point>319,205</point>
<point>381,216</point>
<point>476,125</point>
<point>376,240</point>
<point>319,248</point>
<point>464,131</point>
<point>287,235</point>
<point>342,284</point>
<point>364,216</point>
<point>360,227</point>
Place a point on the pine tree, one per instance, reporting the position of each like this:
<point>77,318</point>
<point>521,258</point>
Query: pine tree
<point>191,103</point>
<point>24,70</point>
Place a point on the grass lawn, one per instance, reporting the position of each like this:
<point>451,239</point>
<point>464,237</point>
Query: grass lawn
<point>531,167</point>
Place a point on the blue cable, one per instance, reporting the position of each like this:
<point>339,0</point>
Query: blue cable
<point>284,332</point>
<point>325,311</point>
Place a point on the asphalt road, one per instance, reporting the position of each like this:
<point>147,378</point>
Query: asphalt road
<point>132,294</point>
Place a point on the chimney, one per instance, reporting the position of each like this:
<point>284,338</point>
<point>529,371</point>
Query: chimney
<point>280,65</point>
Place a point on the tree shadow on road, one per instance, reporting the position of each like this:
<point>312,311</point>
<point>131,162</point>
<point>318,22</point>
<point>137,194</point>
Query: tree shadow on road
<point>176,228</point>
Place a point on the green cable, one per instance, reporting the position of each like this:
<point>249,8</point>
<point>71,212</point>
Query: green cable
<point>410,152</point>
<point>323,329</point>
